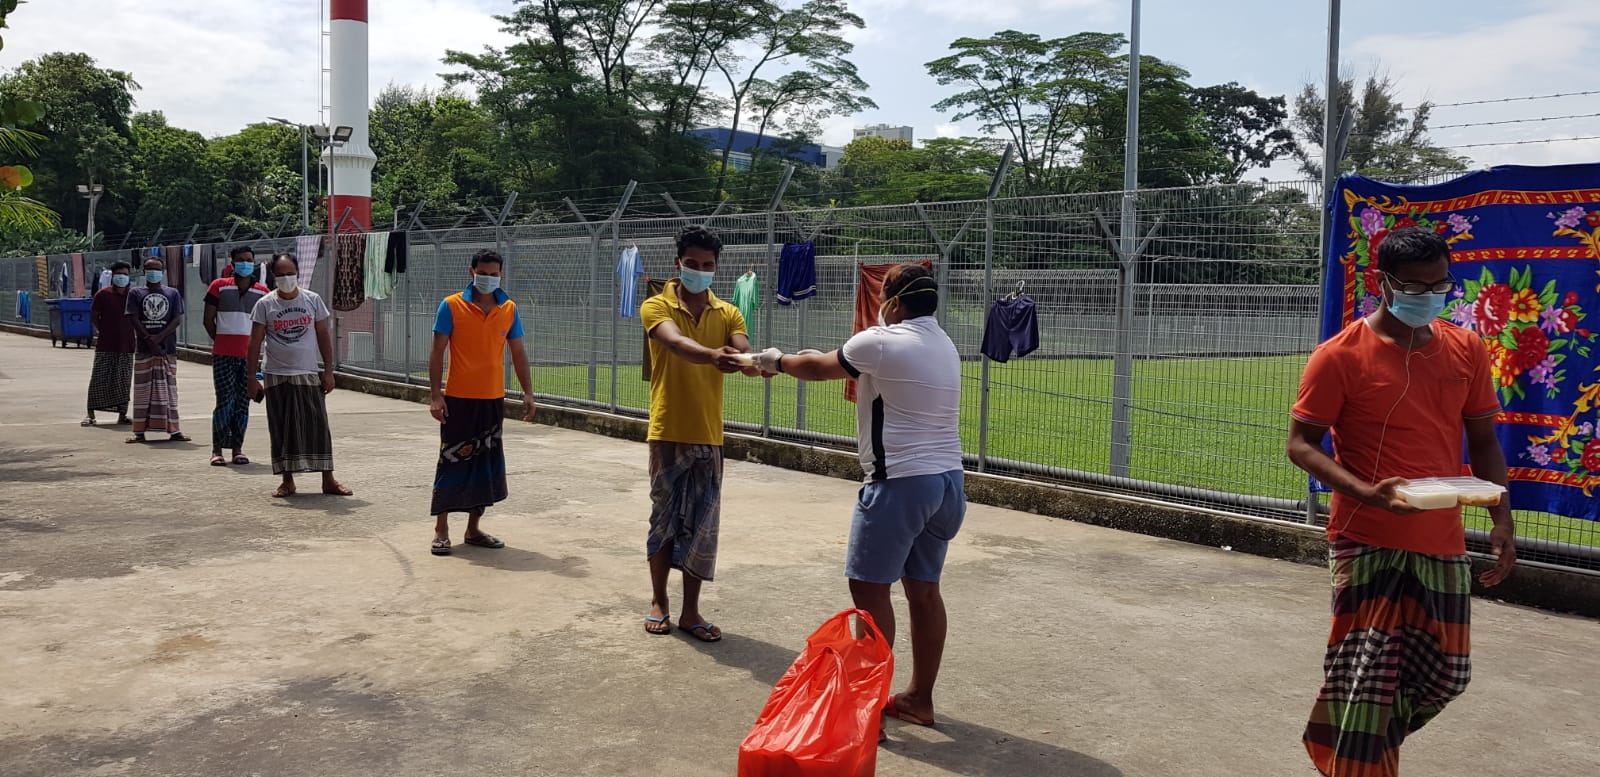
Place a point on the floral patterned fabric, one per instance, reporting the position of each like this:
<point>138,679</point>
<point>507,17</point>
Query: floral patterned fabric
<point>1525,252</point>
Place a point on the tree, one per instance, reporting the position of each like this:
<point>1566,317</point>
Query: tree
<point>1036,92</point>
<point>433,148</point>
<point>810,35</point>
<point>1176,147</point>
<point>256,172</point>
<point>173,181</point>
<point>878,171</point>
<point>1250,130</point>
<point>1384,141</point>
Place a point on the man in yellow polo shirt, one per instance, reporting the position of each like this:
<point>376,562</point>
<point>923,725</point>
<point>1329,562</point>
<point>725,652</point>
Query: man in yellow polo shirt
<point>695,338</point>
<point>475,327</point>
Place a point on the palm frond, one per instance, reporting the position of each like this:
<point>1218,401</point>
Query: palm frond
<point>26,213</point>
<point>20,142</point>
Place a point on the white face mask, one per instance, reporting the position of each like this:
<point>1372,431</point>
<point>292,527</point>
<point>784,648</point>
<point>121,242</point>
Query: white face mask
<point>486,284</point>
<point>288,283</point>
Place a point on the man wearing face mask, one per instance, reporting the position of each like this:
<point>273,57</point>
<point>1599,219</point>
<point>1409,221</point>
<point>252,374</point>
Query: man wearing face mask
<point>695,339</point>
<point>908,410</point>
<point>475,328</point>
<point>290,328</point>
<point>156,312</point>
<point>1399,390</point>
<point>114,342</point>
<point>229,301</point>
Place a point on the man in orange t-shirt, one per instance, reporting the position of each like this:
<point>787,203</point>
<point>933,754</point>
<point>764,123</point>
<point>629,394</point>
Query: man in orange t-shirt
<point>1399,390</point>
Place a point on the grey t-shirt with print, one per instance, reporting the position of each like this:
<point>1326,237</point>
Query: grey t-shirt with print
<point>290,347</point>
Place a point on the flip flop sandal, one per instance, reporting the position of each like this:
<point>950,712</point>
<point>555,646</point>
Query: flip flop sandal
<point>179,437</point>
<point>124,422</point>
<point>137,439</point>
<point>218,461</point>
<point>702,632</point>
<point>87,422</point>
<point>485,541</point>
<point>892,709</point>
<point>663,621</point>
<point>440,547</point>
<point>241,459</point>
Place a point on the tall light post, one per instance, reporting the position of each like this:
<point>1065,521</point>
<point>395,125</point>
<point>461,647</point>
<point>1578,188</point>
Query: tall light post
<point>331,140</point>
<point>305,167</point>
<point>92,193</point>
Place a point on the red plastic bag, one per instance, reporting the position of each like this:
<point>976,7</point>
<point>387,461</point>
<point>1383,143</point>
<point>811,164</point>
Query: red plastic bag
<point>823,717</point>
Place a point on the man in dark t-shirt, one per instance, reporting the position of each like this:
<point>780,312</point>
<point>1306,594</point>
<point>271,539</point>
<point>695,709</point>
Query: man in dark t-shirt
<point>112,377</point>
<point>156,312</point>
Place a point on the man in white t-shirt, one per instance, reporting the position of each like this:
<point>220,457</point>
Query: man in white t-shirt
<point>908,410</point>
<point>291,324</point>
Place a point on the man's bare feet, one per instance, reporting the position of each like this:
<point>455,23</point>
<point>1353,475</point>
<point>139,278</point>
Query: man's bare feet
<point>333,487</point>
<point>657,621</point>
<point>285,490</point>
<point>699,627</point>
<point>911,708</point>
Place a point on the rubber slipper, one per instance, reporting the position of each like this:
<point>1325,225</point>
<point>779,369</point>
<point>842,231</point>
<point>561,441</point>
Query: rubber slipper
<point>179,437</point>
<point>892,709</point>
<point>702,632</point>
<point>440,547</point>
<point>124,422</point>
<point>218,461</point>
<point>241,459</point>
<point>485,541</point>
<point>341,490</point>
<point>137,439</point>
<point>663,621</point>
<point>87,422</point>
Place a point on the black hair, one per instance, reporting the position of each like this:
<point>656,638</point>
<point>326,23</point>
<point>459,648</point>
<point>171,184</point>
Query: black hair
<point>1411,245</point>
<point>487,256</point>
<point>699,237</point>
<point>237,250</point>
<point>272,266</point>
<point>155,259</point>
<point>916,289</point>
<point>115,266</point>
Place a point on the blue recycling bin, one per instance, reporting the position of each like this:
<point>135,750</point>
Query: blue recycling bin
<point>69,321</point>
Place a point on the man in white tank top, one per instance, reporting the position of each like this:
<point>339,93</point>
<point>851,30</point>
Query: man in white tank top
<point>908,409</point>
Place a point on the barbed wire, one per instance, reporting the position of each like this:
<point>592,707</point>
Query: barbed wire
<point>1527,98</point>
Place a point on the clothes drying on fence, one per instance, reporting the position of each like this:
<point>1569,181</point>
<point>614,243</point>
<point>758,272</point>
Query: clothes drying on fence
<point>41,273</point>
<point>348,285</point>
<point>797,273</point>
<point>747,297</point>
<point>78,287</point>
<point>377,283</point>
<point>173,256</point>
<point>630,269</point>
<point>189,256</point>
<point>1011,328</point>
<point>101,281</point>
<point>306,250</point>
<point>869,296</point>
<point>654,287</point>
<point>25,307</point>
<point>394,262</point>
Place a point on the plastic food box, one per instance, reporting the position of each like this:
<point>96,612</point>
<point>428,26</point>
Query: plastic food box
<point>1437,493</point>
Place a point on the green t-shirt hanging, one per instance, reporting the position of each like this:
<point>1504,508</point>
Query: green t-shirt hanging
<point>747,297</point>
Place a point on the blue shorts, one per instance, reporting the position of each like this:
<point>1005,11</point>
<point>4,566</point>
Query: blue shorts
<point>903,527</point>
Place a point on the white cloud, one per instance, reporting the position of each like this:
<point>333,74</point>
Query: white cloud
<point>947,130</point>
<point>988,11</point>
<point>218,66</point>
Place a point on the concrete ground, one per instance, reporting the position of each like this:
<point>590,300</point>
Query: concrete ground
<point>162,617</point>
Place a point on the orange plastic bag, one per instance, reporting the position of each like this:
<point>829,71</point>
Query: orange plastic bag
<point>823,716</point>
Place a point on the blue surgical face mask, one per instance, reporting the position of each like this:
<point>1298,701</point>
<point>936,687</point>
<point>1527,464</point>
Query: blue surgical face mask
<point>154,276</point>
<point>119,280</point>
<point>1418,310</point>
<point>244,269</point>
<point>486,284</point>
<point>695,281</point>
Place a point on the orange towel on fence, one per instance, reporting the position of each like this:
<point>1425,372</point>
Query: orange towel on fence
<point>869,295</point>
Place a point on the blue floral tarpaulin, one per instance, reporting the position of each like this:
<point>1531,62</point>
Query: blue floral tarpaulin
<point>1525,248</point>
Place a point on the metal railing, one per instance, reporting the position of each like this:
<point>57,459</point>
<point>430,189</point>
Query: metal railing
<point>1182,398</point>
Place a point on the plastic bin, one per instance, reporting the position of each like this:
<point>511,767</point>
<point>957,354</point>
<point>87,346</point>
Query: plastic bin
<point>69,321</point>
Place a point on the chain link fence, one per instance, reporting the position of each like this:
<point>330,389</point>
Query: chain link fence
<point>1225,303</point>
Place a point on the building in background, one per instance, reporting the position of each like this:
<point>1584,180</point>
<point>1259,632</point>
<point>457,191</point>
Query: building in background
<point>887,132</point>
<point>745,143</point>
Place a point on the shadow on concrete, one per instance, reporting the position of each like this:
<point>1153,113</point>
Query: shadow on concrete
<point>513,559</point>
<point>36,465</point>
<point>955,745</point>
<point>315,500</point>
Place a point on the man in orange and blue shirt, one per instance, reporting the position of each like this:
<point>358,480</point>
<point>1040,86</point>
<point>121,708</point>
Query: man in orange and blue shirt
<point>474,327</point>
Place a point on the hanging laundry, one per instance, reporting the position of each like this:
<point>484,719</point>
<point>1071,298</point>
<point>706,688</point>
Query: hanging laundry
<point>655,287</point>
<point>797,272</point>
<point>307,248</point>
<point>747,297</point>
<point>399,247</point>
<point>78,277</point>
<point>378,284</point>
<point>102,281</point>
<point>189,256</point>
<point>25,307</point>
<point>869,296</point>
<point>349,287</point>
<point>41,275</point>
<point>629,270</point>
<point>1011,328</point>
<point>173,256</point>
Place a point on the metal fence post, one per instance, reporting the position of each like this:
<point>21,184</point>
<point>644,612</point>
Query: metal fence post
<point>616,288</point>
<point>772,263</point>
<point>988,294</point>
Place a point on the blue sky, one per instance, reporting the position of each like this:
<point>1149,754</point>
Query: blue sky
<point>240,60</point>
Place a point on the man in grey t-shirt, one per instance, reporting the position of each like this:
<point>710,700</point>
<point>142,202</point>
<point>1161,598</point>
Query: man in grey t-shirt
<point>291,325</point>
<point>913,502</point>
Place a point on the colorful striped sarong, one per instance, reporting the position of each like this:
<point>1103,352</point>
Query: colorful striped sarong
<point>1399,652</point>
<point>155,394</point>
<point>297,422</point>
<point>686,505</point>
<point>471,474</point>
<point>110,382</point>
<point>232,416</point>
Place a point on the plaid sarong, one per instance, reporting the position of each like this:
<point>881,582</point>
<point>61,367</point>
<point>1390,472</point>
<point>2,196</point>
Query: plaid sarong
<point>155,394</point>
<point>1399,652</point>
<point>110,382</point>
<point>297,422</point>
<point>686,505</point>
<point>232,416</point>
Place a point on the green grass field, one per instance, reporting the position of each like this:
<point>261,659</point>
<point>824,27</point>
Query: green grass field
<point>1217,424</point>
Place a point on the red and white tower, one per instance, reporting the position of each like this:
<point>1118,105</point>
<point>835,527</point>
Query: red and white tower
<point>350,165</point>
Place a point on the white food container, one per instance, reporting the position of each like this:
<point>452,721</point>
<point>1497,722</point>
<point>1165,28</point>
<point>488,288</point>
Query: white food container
<point>745,359</point>
<point>1438,493</point>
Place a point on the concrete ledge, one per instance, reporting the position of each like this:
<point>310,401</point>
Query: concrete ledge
<point>1539,586</point>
